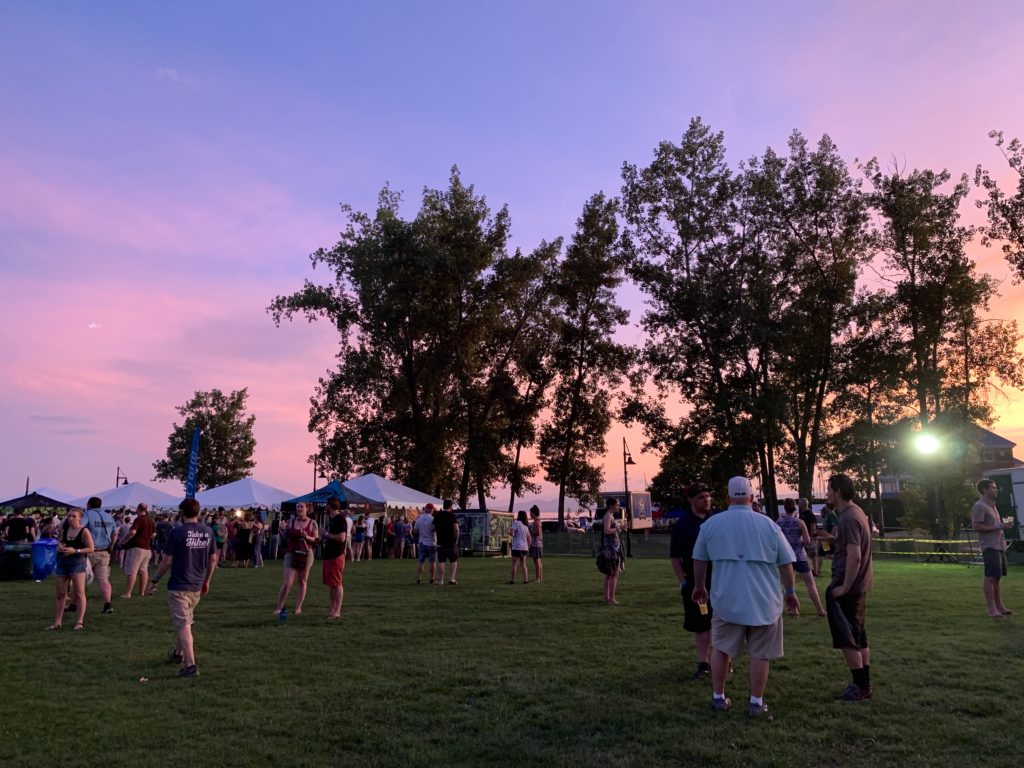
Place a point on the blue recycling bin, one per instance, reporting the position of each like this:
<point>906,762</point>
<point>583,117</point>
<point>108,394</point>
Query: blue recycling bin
<point>44,558</point>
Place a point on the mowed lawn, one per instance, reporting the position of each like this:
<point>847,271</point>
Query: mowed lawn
<point>486,674</point>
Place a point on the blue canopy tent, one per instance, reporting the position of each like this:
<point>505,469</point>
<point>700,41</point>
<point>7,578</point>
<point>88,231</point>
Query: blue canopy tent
<point>332,490</point>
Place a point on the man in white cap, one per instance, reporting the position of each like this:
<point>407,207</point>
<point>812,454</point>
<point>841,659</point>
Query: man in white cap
<point>749,553</point>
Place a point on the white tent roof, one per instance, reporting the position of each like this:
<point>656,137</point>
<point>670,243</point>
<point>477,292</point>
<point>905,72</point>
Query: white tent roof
<point>56,494</point>
<point>244,493</point>
<point>387,492</point>
<point>131,495</point>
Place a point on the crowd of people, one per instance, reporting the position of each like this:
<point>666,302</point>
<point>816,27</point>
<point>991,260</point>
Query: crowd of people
<point>736,568</point>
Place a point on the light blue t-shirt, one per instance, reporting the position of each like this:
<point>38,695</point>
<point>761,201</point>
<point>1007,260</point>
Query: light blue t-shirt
<point>101,525</point>
<point>747,549</point>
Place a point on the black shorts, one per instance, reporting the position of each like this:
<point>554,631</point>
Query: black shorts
<point>995,562</point>
<point>519,553</point>
<point>693,619</point>
<point>846,620</point>
<point>447,554</point>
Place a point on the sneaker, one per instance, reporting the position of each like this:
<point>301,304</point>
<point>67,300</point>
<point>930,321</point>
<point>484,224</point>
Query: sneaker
<point>854,692</point>
<point>192,671</point>
<point>720,705</point>
<point>758,710</point>
<point>703,671</point>
<point>107,608</point>
<point>173,657</point>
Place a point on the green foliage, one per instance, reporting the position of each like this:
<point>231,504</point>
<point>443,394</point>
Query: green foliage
<point>226,444</point>
<point>585,357</point>
<point>441,369</point>
<point>1005,211</point>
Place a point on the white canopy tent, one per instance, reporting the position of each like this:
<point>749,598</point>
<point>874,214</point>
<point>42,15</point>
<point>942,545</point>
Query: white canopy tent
<point>380,490</point>
<point>131,495</point>
<point>243,493</point>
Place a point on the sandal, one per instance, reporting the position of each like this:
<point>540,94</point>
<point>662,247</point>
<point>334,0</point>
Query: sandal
<point>53,628</point>
<point>78,626</point>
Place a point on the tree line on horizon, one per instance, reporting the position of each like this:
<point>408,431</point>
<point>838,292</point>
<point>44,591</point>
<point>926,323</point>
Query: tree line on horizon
<point>805,313</point>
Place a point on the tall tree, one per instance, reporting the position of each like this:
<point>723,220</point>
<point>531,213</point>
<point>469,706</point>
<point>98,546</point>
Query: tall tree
<point>225,447</point>
<point>820,217</point>
<point>1005,211</point>
<point>429,314</point>
<point>704,252</point>
<point>586,358</point>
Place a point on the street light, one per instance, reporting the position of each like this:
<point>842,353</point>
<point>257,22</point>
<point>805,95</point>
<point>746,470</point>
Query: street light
<point>627,462</point>
<point>121,479</point>
<point>317,474</point>
<point>928,445</point>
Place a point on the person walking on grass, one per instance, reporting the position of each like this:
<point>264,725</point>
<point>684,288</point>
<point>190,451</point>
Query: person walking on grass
<point>333,555</point>
<point>696,618</point>
<point>103,530</point>
<point>73,547</point>
<point>851,580</point>
<point>806,515</point>
<point>611,547</point>
<point>137,551</point>
<point>424,533</point>
<point>300,537</point>
<point>986,521</point>
<point>520,546</point>
<point>190,554</point>
<point>536,543</point>
<point>258,529</point>
<point>749,554</point>
<point>799,539</point>
<point>446,530</point>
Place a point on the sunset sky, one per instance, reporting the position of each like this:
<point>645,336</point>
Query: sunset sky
<point>166,168</point>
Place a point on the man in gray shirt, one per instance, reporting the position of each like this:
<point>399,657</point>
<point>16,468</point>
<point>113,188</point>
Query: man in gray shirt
<point>992,541</point>
<point>851,580</point>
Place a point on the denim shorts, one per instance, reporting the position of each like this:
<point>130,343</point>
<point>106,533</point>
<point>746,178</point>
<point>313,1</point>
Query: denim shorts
<point>427,552</point>
<point>68,566</point>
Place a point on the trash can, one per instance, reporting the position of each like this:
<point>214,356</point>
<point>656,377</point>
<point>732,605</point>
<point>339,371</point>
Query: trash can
<point>44,558</point>
<point>16,562</point>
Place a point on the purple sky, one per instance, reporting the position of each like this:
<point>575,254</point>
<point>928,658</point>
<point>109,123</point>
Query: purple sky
<point>166,168</point>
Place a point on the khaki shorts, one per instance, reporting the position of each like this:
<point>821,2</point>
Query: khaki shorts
<point>183,606</point>
<point>762,642</point>
<point>100,562</point>
<point>136,560</point>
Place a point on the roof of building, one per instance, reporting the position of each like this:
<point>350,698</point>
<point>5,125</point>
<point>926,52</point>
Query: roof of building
<point>987,439</point>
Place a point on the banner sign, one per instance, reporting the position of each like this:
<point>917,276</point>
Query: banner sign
<point>193,466</point>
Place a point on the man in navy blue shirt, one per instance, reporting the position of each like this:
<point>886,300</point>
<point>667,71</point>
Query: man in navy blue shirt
<point>190,554</point>
<point>696,618</point>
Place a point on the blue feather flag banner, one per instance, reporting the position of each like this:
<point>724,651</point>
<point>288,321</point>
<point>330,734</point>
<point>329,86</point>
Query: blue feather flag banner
<point>193,466</point>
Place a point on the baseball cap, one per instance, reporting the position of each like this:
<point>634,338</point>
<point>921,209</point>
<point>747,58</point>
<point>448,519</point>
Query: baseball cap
<point>739,488</point>
<point>695,488</point>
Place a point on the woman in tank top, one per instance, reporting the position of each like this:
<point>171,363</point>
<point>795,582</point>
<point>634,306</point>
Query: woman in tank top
<point>610,541</point>
<point>537,544</point>
<point>795,531</point>
<point>300,537</point>
<point>74,544</point>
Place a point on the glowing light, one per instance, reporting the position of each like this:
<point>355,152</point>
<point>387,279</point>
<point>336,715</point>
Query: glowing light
<point>238,513</point>
<point>95,325</point>
<point>926,444</point>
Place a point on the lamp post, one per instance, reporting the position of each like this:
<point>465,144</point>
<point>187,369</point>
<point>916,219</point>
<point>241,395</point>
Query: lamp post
<point>121,479</point>
<point>928,445</point>
<point>627,462</point>
<point>317,474</point>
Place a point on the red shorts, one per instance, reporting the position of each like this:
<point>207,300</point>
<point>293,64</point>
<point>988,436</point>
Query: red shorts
<point>333,570</point>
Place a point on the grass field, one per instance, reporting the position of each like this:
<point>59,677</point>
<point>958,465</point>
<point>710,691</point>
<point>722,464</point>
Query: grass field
<point>485,674</point>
